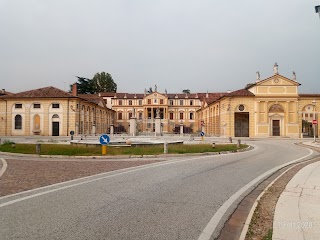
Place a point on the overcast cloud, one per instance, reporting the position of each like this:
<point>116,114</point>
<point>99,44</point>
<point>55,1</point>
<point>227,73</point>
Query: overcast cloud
<point>201,45</point>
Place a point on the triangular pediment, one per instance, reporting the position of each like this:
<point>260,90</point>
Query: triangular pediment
<point>277,80</point>
<point>276,85</point>
<point>155,95</point>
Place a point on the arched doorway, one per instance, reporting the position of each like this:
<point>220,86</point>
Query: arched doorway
<point>276,116</point>
<point>55,125</point>
<point>241,121</point>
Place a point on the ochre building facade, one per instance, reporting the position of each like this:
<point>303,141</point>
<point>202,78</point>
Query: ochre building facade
<point>270,107</point>
<point>52,112</point>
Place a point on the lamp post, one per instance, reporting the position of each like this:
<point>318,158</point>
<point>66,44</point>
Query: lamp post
<point>314,118</point>
<point>318,9</point>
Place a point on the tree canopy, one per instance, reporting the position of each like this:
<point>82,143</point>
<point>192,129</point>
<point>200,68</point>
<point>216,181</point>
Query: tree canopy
<point>101,82</point>
<point>186,91</point>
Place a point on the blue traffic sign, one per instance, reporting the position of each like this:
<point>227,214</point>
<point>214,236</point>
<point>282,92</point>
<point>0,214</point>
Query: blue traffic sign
<point>104,139</point>
<point>202,134</point>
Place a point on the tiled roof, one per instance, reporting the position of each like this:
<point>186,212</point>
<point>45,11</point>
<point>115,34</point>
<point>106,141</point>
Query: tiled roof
<point>94,98</point>
<point>4,92</point>
<point>46,92</point>
<point>130,95</point>
<point>240,93</point>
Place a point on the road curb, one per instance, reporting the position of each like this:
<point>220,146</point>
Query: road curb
<point>254,206</point>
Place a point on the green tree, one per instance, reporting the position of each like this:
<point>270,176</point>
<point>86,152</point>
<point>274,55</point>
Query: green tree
<point>186,91</point>
<point>103,82</point>
<point>84,85</point>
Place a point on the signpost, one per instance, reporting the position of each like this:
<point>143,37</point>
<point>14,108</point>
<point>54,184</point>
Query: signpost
<point>104,140</point>
<point>71,133</point>
<point>202,134</point>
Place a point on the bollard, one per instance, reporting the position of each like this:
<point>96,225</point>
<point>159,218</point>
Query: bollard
<point>104,149</point>
<point>165,147</point>
<point>213,145</point>
<point>238,143</point>
<point>230,139</point>
<point>38,148</point>
<point>71,137</point>
<point>13,145</point>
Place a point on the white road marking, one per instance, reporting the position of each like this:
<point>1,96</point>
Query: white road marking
<point>4,166</point>
<point>114,173</point>
<point>213,223</point>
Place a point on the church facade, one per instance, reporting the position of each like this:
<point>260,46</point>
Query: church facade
<point>270,107</point>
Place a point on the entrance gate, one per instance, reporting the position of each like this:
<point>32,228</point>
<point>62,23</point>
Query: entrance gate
<point>241,124</point>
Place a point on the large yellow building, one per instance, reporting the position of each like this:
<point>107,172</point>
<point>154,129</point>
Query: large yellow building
<point>268,107</point>
<point>52,112</point>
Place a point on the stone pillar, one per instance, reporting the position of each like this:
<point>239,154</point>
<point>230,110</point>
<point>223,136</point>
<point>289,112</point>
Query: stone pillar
<point>111,129</point>
<point>181,128</point>
<point>158,130</point>
<point>93,130</point>
<point>133,126</point>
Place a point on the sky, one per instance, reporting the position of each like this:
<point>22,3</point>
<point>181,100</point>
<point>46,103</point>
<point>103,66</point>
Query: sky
<point>200,45</point>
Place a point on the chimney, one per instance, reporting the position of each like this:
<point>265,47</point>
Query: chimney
<point>228,91</point>
<point>75,89</point>
<point>3,91</point>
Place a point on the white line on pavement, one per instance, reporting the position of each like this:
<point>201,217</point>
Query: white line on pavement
<point>4,166</point>
<point>213,223</point>
<point>88,180</point>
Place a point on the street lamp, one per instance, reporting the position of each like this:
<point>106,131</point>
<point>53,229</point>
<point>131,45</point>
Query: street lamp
<point>318,9</point>
<point>314,118</point>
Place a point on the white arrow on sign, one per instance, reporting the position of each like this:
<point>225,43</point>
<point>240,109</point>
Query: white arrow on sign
<point>104,139</point>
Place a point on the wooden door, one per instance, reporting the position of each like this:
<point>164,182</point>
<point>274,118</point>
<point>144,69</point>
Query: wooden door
<point>275,127</point>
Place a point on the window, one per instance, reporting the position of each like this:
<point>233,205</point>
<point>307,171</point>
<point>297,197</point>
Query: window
<point>191,102</point>
<point>241,108</point>
<point>181,115</point>
<point>18,105</point>
<point>155,100</point>
<point>140,102</point>
<point>171,102</point>
<point>161,101</point>
<point>18,122</point>
<point>120,115</point>
<point>130,115</point>
<point>130,102</point>
<point>181,102</point>
<point>36,105</point>
<point>191,115</point>
<point>140,115</point>
<point>149,101</point>
<point>55,105</point>
<point>120,102</point>
<point>171,115</point>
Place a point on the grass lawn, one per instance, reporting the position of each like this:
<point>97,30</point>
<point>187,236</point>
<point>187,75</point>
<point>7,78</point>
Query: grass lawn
<point>72,150</point>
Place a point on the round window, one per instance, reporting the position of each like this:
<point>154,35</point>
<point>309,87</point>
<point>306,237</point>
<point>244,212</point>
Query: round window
<point>241,108</point>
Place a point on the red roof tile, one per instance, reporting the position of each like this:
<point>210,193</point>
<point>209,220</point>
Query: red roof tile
<point>46,92</point>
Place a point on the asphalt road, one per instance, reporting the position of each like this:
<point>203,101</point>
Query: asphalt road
<point>175,199</point>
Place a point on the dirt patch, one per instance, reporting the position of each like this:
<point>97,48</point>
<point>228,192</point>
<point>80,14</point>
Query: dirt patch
<point>22,175</point>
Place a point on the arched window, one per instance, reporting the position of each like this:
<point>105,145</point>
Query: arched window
<point>18,122</point>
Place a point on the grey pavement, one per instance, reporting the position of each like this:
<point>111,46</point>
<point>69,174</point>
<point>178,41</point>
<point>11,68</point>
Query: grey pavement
<point>175,199</point>
<point>297,214</point>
